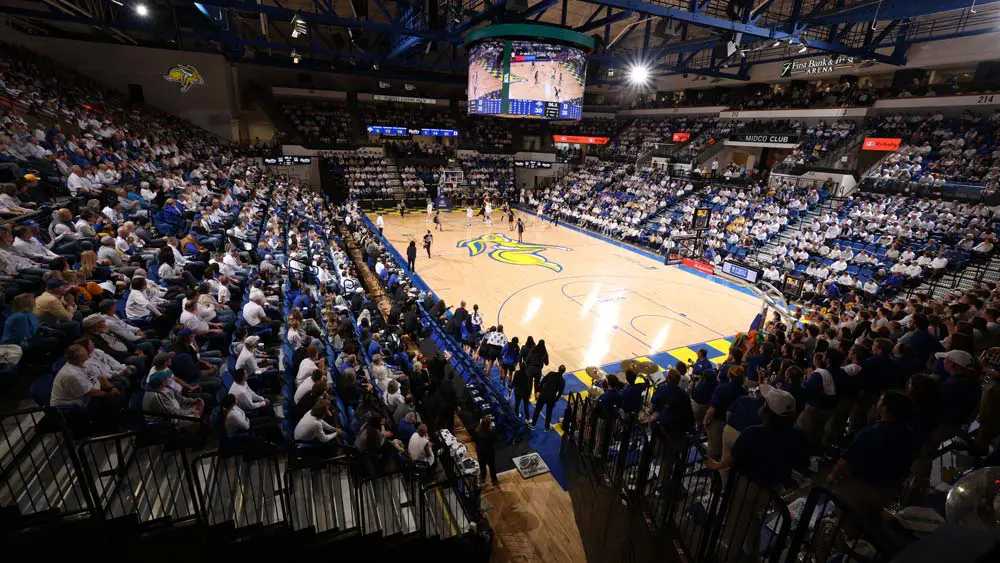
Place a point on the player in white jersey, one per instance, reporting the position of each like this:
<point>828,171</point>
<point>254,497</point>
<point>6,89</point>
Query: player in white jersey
<point>468,216</point>
<point>489,213</point>
<point>430,211</point>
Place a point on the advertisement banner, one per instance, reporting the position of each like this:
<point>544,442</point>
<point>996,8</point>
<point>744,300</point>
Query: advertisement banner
<point>700,265</point>
<point>817,65</point>
<point>764,138</point>
<point>405,99</point>
<point>681,137</point>
<point>881,144</point>
<point>580,140</point>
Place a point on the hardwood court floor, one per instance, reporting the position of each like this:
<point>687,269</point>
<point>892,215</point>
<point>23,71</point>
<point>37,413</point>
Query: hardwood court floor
<point>592,301</point>
<point>532,519</point>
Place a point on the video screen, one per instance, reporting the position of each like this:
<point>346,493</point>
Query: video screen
<point>486,77</point>
<point>544,80</point>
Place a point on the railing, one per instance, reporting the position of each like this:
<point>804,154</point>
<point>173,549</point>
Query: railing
<point>41,477</point>
<point>715,517</point>
<point>146,477</point>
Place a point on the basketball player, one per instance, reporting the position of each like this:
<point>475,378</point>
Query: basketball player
<point>468,216</point>
<point>510,219</point>
<point>401,207</point>
<point>540,212</point>
<point>437,221</point>
<point>488,210</point>
<point>430,211</point>
<point>520,230</point>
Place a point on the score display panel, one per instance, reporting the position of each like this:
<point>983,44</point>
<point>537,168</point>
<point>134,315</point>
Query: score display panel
<point>524,78</point>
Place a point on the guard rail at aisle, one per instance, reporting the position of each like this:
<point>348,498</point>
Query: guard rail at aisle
<point>712,517</point>
<point>512,427</point>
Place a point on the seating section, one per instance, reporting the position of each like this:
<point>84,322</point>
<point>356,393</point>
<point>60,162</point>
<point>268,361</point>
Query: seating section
<point>490,174</point>
<point>939,150</point>
<point>413,116</point>
<point>323,122</point>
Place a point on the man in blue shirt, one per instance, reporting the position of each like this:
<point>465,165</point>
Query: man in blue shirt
<point>767,453</point>
<point>871,470</point>
<point>673,409</point>
<point>759,361</point>
<point>722,398</point>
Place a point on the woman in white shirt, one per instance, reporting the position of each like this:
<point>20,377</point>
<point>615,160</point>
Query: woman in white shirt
<point>312,427</point>
<point>138,306</point>
<point>393,397</point>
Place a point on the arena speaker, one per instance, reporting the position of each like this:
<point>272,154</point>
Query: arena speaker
<point>987,76</point>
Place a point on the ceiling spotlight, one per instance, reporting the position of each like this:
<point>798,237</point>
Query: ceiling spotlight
<point>141,10</point>
<point>296,57</point>
<point>638,74</point>
<point>804,49</point>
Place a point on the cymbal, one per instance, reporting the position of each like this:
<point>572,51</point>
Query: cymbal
<point>595,373</point>
<point>629,365</point>
<point>646,367</point>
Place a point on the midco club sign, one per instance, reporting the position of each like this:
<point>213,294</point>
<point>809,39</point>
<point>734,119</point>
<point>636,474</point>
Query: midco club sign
<point>764,139</point>
<point>816,65</point>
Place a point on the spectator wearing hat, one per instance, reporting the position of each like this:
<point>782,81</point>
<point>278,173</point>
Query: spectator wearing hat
<point>767,453</point>
<point>74,388</point>
<point>248,361</point>
<point>871,470</point>
<point>959,401</point>
<point>162,397</point>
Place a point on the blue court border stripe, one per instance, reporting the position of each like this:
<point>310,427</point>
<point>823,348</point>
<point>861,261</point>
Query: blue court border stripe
<point>647,254</point>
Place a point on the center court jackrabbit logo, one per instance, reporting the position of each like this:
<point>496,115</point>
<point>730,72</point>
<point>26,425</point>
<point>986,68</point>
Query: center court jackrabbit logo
<point>509,251</point>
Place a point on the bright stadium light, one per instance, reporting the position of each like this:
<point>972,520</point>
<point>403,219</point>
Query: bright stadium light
<point>638,74</point>
<point>141,10</point>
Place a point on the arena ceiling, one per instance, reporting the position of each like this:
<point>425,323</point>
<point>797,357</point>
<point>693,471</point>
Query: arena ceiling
<point>422,40</point>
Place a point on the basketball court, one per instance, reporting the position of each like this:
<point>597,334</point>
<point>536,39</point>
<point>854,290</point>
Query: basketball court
<point>595,302</point>
<point>542,81</point>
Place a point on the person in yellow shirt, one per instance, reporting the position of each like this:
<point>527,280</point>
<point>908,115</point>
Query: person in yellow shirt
<point>56,309</point>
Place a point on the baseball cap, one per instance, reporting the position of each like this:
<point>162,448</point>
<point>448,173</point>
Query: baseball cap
<point>781,403</point>
<point>31,177</point>
<point>958,357</point>
<point>157,378</point>
<point>161,358</point>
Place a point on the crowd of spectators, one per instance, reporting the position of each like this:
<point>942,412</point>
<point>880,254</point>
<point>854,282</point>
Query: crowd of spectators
<point>877,245</point>
<point>487,135</point>
<point>412,116</point>
<point>644,134</point>
<point>939,149</point>
<point>809,96</point>
<point>818,140</point>
<point>368,176</point>
<point>490,173</point>
<point>321,121</point>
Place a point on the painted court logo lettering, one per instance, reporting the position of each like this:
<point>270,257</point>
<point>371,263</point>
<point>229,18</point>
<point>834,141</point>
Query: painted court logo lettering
<point>509,251</point>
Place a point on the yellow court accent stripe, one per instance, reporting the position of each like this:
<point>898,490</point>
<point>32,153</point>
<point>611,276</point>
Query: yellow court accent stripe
<point>721,345</point>
<point>446,511</point>
<point>584,378</point>
<point>557,427</point>
<point>684,354</point>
